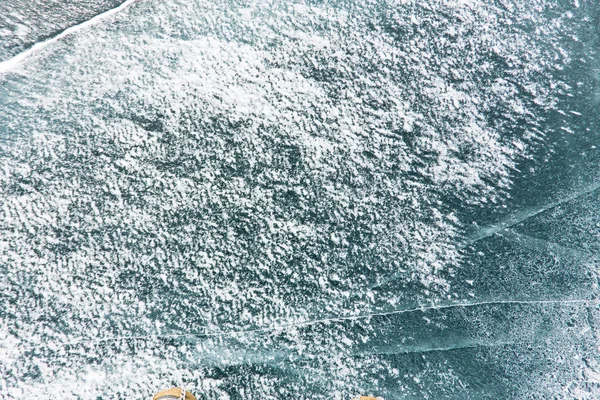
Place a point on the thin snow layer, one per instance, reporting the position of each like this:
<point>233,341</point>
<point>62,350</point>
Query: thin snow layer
<point>236,171</point>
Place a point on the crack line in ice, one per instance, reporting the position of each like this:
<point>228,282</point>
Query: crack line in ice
<point>313,322</point>
<point>423,349</point>
<point>521,216</point>
<point>504,226</point>
<point>543,245</point>
<point>14,62</point>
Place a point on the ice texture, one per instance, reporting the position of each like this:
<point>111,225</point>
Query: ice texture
<point>301,199</point>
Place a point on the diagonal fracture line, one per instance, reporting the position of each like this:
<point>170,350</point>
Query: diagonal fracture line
<point>315,321</point>
<point>525,215</point>
<point>13,63</point>
<point>503,226</point>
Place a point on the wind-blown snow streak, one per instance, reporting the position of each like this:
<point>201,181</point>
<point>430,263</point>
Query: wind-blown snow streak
<point>14,62</point>
<point>394,350</point>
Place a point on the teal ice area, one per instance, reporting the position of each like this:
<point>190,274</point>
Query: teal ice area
<point>300,199</point>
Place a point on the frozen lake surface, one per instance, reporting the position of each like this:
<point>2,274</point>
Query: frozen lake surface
<point>300,199</point>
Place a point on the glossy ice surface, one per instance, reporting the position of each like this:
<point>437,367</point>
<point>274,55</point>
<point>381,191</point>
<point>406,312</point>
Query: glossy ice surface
<point>300,199</point>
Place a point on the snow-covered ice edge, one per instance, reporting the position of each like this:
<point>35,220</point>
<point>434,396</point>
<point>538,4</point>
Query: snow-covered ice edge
<point>14,62</point>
